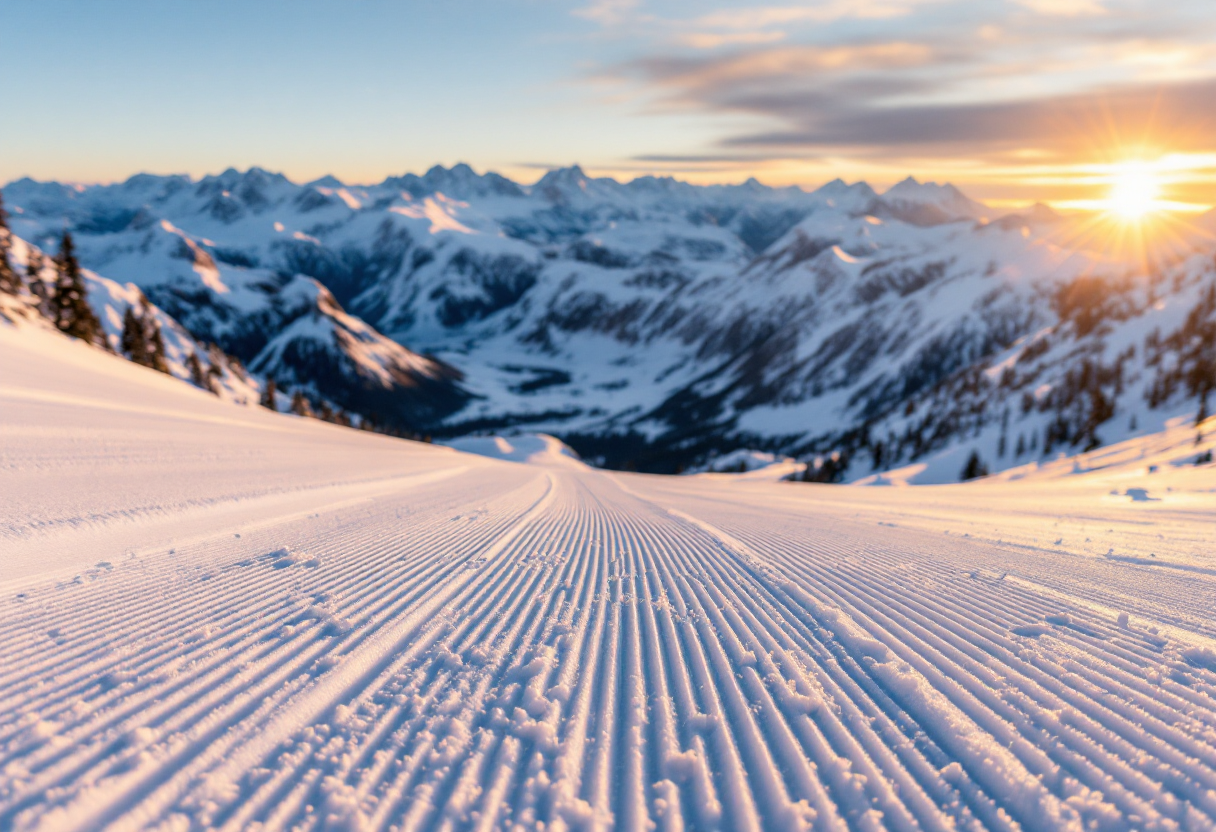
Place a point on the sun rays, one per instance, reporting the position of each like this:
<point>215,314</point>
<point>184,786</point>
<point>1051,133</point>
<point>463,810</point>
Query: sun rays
<point>1135,191</point>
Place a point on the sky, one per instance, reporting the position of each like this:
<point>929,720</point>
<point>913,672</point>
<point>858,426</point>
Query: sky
<point>1013,100</point>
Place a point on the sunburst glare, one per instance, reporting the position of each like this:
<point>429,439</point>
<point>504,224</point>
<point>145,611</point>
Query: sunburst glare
<point>1135,191</point>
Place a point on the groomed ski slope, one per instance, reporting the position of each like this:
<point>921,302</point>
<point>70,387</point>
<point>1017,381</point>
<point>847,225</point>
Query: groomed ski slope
<point>216,617</point>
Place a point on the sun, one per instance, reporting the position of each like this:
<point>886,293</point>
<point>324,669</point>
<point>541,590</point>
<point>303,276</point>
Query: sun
<point>1135,191</point>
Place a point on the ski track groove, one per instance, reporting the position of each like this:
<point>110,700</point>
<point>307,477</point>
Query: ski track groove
<point>518,647</point>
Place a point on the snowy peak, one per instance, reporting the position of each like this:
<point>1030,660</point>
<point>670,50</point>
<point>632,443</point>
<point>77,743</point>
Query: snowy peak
<point>572,186</point>
<point>342,359</point>
<point>458,182</point>
<point>840,194</point>
<point>1033,215</point>
<point>928,203</point>
<point>326,181</point>
<point>232,193</point>
<point>563,185</point>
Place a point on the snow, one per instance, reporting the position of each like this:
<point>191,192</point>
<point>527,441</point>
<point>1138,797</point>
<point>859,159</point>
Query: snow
<point>218,617</point>
<point>438,212</point>
<point>747,464</point>
<point>595,309</point>
<point>531,448</point>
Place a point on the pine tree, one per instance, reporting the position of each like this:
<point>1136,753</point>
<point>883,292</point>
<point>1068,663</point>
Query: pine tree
<point>70,302</point>
<point>10,281</point>
<point>197,376</point>
<point>974,467</point>
<point>134,337</point>
<point>215,370</point>
<point>156,345</point>
<point>33,265</point>
<point>33,272</point>
<point>268,395</point>
<point>300,405</point>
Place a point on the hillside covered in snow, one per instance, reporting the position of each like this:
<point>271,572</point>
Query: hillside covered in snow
<point>658,325</point>
<point>219,617</point>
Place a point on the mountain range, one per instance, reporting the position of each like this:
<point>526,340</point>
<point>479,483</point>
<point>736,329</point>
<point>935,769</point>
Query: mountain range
<point>655,324</point>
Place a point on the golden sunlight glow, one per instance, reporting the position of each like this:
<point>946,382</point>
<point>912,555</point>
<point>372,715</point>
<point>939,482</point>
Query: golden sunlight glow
<point>1135,191</point>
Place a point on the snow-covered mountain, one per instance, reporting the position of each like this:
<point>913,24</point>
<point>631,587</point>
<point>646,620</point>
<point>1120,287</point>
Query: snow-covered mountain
<point>220,373</point>
<point>287,328</point>
<point>650,324</point>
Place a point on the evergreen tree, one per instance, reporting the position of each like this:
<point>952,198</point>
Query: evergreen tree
<point>156,346</point>
<point>33,266</point>
<point>33,272</point>
<point>197,376</point>
<point>69,302</point>
<point>134,337</point>
<point>300,405</point>
<point>974,467</point>
<point>268,395</point>
<point>215,370</point>
<point>10,281</point>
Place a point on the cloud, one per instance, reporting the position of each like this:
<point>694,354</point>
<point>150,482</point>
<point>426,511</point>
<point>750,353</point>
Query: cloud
<point>782,65</point>
<point>733,26</point>
<point>821,12</point>
<point>713,40</point>
<point>1064,8</point>
<point>958,85</point>
<point>609,12</point>
<point>1175,116</point>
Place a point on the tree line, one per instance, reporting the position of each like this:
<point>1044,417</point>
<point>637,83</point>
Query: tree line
<point>64,302</point>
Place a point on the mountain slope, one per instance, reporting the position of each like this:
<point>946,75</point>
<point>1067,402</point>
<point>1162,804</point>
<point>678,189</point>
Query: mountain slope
<point>291,330</point>
<point>223,618</point>
<point>651,324</point>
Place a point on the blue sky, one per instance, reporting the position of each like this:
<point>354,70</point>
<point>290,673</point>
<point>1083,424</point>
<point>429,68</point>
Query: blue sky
<point>1014,99</point>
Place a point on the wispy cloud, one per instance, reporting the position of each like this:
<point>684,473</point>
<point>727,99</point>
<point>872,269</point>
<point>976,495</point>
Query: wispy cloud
<point>879,77</point>
<point>821,12</point>
<point>1173,116</point>
<point>1064,8</point>
<point>610,12</point>
<point>742,25</point>
<point>713,40</point>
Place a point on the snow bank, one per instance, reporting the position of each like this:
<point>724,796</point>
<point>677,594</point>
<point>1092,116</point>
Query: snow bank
<point>531,448</point>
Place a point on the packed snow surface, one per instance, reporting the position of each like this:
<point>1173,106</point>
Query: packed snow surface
<point>752,465</point>
<point>216,617</point>
<point>534,448</point>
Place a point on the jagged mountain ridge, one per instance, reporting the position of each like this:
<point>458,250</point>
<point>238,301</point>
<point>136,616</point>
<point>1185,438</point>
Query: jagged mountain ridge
<point>650,323</point>
<point>292,331</point>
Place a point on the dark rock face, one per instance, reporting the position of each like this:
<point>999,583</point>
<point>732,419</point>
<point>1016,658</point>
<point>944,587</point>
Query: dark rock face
<point>486,285</point>
<point>399,389</point>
